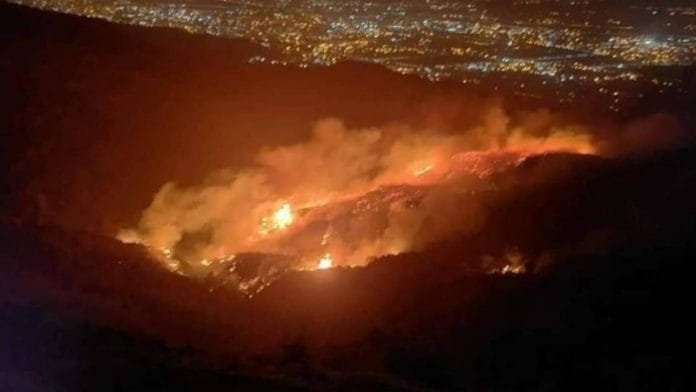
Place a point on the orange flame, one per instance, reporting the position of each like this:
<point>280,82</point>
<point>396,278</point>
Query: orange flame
<point>281,219</point>
<point>325,262</point>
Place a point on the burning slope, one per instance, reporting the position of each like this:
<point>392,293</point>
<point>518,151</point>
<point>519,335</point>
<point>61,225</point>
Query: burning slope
<point>342,198</point>
<point>348,196</point>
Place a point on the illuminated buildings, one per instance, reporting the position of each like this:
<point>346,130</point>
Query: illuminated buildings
<point>565,42</point>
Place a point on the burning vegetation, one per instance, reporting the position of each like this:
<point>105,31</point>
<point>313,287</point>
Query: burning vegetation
<point>343,198</point>
<point>348,196</point>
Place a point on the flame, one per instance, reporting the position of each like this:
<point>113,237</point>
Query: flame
<point>281,219</point>
<point>423,170</point>
<point>512,269</point>
<point>363,194</point>
<point>325,262</point>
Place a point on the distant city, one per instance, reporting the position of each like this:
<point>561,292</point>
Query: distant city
<point>588,44</point>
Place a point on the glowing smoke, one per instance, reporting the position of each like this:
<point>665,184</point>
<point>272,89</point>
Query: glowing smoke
<point>274,206</point>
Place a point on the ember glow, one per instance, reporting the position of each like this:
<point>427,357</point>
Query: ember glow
<point>325,262</point>
<point>281,219</point>
<point>360,193</point>
<point>423,170</point>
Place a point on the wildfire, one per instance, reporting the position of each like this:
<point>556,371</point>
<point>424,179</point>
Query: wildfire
<point>363,194</point>
<point>423,170</point>
<point>325,262</point>
<point>281,219</point>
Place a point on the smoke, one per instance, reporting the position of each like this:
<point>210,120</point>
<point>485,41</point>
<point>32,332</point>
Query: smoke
<point>363,193</point>
<point>645,135</point>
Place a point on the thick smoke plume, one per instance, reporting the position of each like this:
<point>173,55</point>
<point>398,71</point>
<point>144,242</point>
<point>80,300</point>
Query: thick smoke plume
<point>356,194</point>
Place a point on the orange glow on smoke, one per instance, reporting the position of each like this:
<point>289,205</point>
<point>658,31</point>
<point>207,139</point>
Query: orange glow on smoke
<point>361,193</point>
